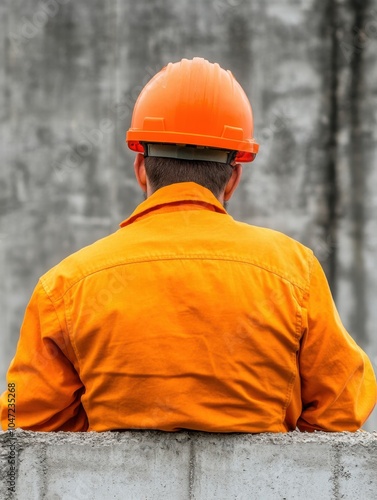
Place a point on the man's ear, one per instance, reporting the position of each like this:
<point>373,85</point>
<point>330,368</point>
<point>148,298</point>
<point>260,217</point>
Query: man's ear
<point>233,181</point>
<point>140,173</point>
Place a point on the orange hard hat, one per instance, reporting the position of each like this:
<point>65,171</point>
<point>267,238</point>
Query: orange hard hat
<point>193,109</point>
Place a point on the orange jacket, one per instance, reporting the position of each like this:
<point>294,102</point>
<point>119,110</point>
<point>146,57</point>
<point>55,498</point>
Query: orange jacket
<point>186,318</point>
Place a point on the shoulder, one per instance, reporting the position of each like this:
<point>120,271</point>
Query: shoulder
<point>77,266</point>
<point>277,253</point>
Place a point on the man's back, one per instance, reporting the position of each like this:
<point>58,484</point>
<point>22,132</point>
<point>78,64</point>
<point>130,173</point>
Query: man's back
<point>185,318</point>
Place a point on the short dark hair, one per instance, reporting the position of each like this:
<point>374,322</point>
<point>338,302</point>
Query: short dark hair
<point>165,171</point>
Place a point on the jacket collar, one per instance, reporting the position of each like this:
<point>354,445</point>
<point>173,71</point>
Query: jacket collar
<point>177,195</point>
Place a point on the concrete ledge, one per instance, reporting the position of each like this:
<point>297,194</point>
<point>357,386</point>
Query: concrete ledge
<point>190,465</point>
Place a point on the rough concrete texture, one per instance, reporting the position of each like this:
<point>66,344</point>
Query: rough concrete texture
<point>190,465</point>
<point>70,75</point>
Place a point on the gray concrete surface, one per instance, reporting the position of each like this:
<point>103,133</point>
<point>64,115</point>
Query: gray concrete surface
<point>70,73</point>
<point>190,465</point>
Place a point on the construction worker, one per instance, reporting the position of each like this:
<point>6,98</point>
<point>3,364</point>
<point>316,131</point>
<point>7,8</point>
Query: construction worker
<point>185,318</point>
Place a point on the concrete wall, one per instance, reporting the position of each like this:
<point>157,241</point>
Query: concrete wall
<point>185,466</point>
<point>70,74</point>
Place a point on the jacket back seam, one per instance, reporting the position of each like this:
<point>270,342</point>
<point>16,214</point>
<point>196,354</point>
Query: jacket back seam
<point>301,286</point>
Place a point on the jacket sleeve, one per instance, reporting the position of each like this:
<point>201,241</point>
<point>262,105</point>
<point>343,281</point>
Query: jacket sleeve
<point>338,385</point>
<point>47,387</point>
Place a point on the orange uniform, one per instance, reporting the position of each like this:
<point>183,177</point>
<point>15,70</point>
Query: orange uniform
<point>186,318</point>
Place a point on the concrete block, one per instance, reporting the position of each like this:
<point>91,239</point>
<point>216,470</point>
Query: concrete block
<point>137,466</point>
<point>356,472</point>
<point>237,468</point>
